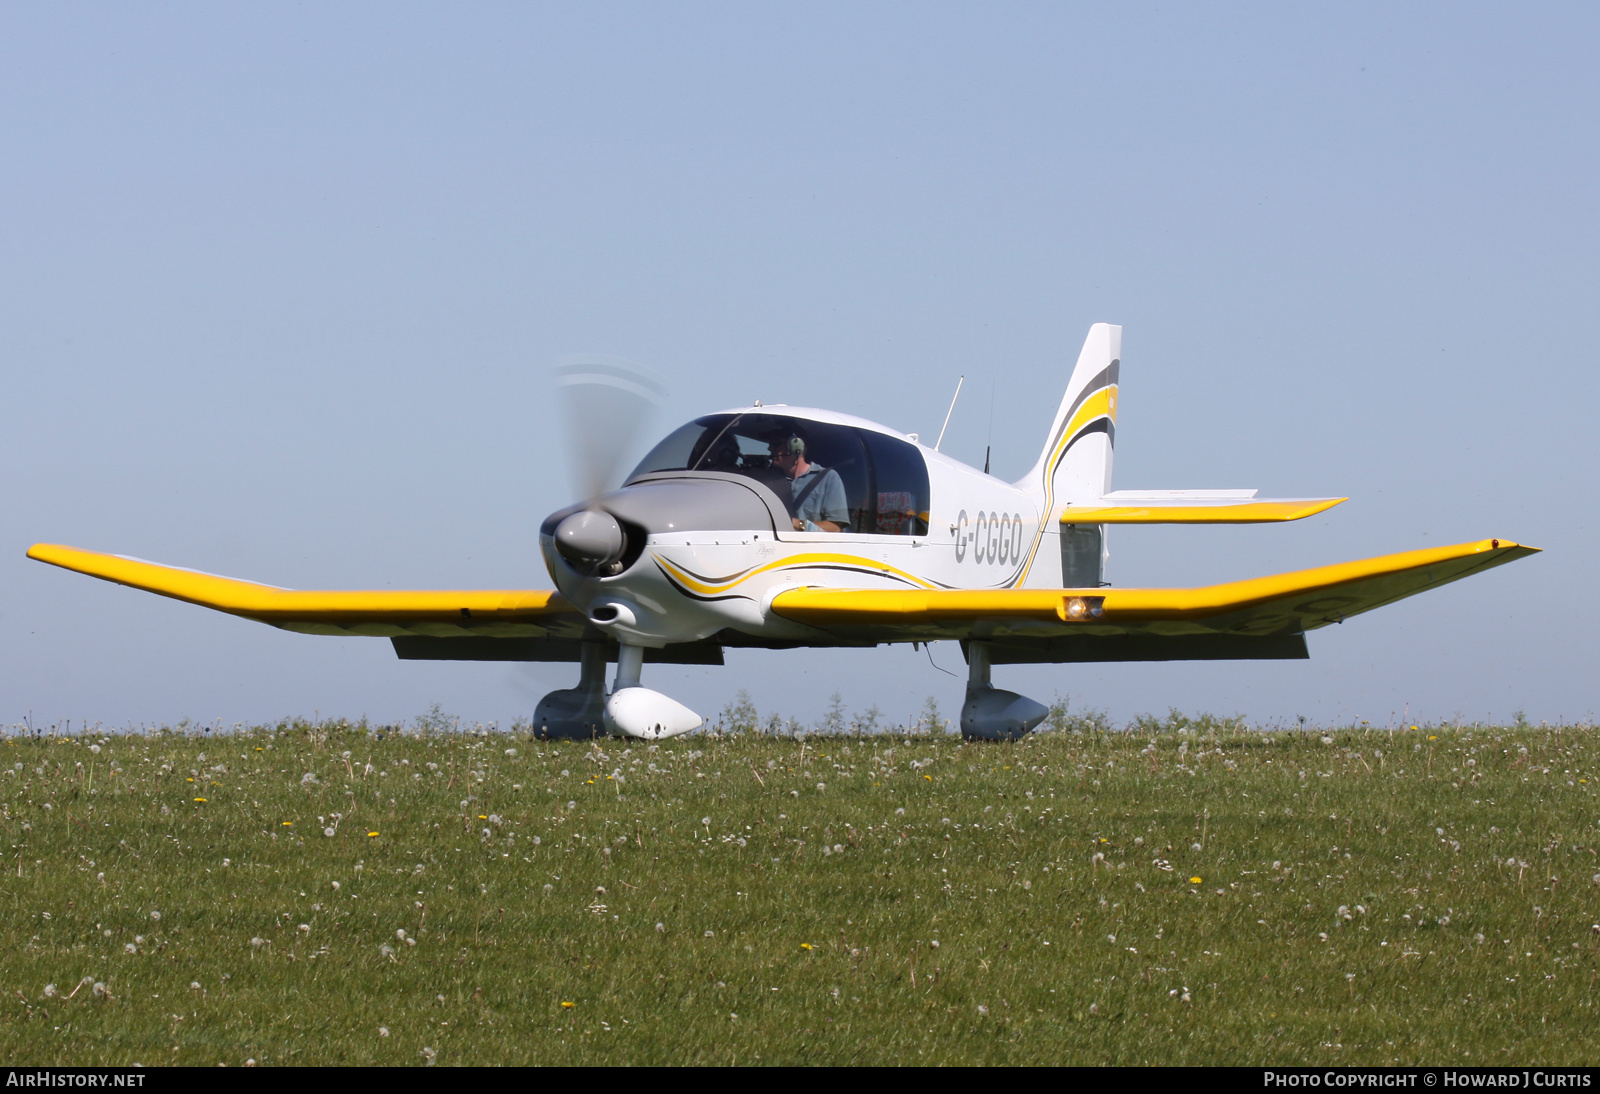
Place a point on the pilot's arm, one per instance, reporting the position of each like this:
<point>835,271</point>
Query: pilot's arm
<point>828,507</point>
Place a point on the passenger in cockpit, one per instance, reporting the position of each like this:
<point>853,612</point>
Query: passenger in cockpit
<point>818,499</point>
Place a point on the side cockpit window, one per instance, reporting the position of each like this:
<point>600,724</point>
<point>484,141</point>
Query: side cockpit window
<point>831,477</point>
<point>900,486</point>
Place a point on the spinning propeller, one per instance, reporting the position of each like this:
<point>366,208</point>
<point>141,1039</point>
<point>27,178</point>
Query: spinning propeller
<point>606,403</point>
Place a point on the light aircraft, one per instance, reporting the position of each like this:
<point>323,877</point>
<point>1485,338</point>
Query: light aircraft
<point>778,527</point>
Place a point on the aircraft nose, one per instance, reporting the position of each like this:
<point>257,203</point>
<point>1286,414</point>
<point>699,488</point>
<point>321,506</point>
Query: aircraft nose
<point>589,538</point>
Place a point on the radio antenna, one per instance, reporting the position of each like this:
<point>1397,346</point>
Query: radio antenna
<point>949,412</point>
<point>990,444</point>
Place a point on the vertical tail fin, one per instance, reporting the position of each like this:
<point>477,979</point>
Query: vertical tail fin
<point>1075,466</point>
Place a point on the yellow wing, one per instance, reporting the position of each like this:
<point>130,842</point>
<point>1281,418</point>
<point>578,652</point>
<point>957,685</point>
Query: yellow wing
<point>513,613</point>
<point>1257,612</point>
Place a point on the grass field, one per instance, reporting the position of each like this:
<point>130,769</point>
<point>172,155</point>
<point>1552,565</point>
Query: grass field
<point>1183,892</point>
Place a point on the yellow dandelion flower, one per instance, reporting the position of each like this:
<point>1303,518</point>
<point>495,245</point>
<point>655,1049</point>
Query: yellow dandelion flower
<point>1430,738</point>
<point>805,945</point>
<point>928,777</point>
<point>567,1004</point>
<point>288,824</point>
<point>189,780</point>
<point>200,800</point>
<point>1195,880</point>
<point>481,816</point>
<point>372,833</point>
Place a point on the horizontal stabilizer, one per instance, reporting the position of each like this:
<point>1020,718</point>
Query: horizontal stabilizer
<point>1193,507</point>
<point>1278,605</point>
<point>513,613</point>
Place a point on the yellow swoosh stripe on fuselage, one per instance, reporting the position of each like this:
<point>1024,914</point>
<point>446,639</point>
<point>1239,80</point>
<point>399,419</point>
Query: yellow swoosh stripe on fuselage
<point>713,587</point>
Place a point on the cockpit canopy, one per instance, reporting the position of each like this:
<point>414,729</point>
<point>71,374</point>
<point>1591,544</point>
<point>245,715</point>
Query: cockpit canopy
<point>885,478</point>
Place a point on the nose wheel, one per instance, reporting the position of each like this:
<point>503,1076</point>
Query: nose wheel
<point>634,711</point>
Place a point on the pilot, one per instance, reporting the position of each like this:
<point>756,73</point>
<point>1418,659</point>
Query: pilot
<point>819,503</point>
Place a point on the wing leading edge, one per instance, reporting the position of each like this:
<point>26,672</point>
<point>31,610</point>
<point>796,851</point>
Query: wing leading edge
<point>1257,608</point>
<point>511,613</point>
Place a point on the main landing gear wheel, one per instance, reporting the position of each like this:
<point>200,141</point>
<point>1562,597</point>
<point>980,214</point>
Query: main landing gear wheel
<point>990,713</point>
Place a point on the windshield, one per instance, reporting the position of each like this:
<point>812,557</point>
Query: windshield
<point>884,479</point>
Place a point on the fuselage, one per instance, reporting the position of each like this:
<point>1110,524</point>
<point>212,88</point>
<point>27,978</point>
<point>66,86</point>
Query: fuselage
<point>711,539</point>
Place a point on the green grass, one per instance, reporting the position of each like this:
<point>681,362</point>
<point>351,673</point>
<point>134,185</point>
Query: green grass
<point>933,902</point>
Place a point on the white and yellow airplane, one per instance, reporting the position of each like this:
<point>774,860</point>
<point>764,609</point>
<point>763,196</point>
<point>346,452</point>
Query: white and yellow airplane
<point>777,527</point>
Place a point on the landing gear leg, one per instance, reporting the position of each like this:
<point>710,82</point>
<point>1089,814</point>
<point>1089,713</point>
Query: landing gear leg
<point>634,711</point>
<point>990,714</point>
<point>576,713</point>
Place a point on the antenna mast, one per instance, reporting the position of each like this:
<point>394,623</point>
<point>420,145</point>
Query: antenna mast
<point>949,412</point>
<point>990,445</point>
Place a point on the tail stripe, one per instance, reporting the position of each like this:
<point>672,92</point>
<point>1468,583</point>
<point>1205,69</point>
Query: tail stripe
<point>1093,411</point>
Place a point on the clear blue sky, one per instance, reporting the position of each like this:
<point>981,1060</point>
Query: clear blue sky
<point>280,285</point>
